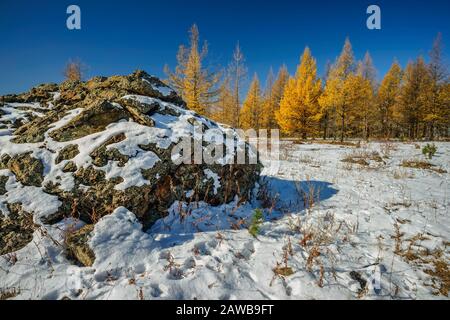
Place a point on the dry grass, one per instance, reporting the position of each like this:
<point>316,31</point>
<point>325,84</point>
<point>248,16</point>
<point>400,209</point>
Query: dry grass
<point>338,143</point>
<point>311,161</point>
<point>282,269</point>
<point>310,194</point>
<point>433,262</point>
<point>418,164</point>
<point>8,293</point>
<point>363,158</point>
<point>317,234</point>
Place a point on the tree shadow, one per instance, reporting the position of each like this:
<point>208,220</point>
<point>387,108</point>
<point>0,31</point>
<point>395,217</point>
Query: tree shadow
<point>296,196</point>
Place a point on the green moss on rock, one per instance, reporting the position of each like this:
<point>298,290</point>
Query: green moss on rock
<point>67,153</point>
<point>28,170</point>
<point>78,246</point>
<point>16,230</point>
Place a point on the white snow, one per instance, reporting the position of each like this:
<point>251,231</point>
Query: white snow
<point>360,217</point>
<point>33,199</point>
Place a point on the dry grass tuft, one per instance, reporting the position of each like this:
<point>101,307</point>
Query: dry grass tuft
<point>363,158</point>
<point>418,164</point>
<point>8,293</point>
<point>435,261</point>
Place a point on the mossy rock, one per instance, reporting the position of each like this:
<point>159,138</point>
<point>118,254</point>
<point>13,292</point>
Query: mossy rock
<point>34,131</point>
<point>28,170</point>
<point>102,154</point>
<point>102,103</point>
<point>16,230</point>
<point>3,180</point>
<point>67,153</point>
<point>89,176</point>
<point>70,167</point>
<point>78,246</point>
<point>92,120</point>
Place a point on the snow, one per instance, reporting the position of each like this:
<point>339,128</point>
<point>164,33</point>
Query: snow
<point>33,199</point>
<point>131,172</point>
<point>17,111</point>
<point>203,252</point>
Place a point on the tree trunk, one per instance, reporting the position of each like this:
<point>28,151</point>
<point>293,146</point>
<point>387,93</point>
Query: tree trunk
<point>325,127</point>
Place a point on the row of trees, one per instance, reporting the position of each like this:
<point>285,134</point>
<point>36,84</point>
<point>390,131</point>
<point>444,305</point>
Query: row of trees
<point>347,102</point>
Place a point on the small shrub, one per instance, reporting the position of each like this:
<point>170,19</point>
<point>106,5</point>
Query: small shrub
<point>429,150</point>
<point>256,222</point>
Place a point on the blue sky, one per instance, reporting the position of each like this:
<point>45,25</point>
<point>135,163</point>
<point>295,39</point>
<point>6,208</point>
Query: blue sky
<point>118,37</point>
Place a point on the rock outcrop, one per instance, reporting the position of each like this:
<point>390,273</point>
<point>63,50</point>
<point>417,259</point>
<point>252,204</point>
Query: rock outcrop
<point>83,149</point>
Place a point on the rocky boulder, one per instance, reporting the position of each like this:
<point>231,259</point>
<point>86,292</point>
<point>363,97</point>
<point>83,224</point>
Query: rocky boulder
<point>83,149</point>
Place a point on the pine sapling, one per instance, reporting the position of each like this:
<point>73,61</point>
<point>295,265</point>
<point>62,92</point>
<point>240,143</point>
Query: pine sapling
<point>429,150</point>
<point>255,224</point>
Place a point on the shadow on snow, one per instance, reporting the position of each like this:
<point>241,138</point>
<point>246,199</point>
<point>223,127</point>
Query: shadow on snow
<point>186,220</point>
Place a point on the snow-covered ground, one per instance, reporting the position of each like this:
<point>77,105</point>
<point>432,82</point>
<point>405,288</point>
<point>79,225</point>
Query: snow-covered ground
<point>332,230</point>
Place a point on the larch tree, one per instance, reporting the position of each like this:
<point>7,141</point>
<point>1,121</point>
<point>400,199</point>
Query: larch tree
<point>326,114</point>
<point>413,97</point>
<point>195,83</point>
<point>387,98</point>
<point>74,70</point>
<point>237,72</point>
<point>224,104</point>
<point>272,100</point>
<point>250,116</point>
<point>337,94</point>
<point>299,108</point>
<point>366,86</point>
<point>360,97</point>
<point>437,107</point>
<point>267,101</point>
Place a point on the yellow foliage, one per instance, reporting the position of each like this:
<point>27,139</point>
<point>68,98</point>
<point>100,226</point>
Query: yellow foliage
<point>251,110</point>
<point>191,80</point>
<point>299,108</point>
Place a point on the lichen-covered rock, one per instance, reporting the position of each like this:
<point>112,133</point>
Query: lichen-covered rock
<point>3,180</point>
<point>94,118</point>
<point>78,246</point>
<point>28,170</point>
<point>108,143</point>
<point>16,229</point>
<point>70,167</point>
<point>67,153</point>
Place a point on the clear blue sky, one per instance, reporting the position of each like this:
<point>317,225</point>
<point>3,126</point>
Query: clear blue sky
<point>118,37</point>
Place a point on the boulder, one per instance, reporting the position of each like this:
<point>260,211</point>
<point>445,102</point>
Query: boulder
<point>109,143</point>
